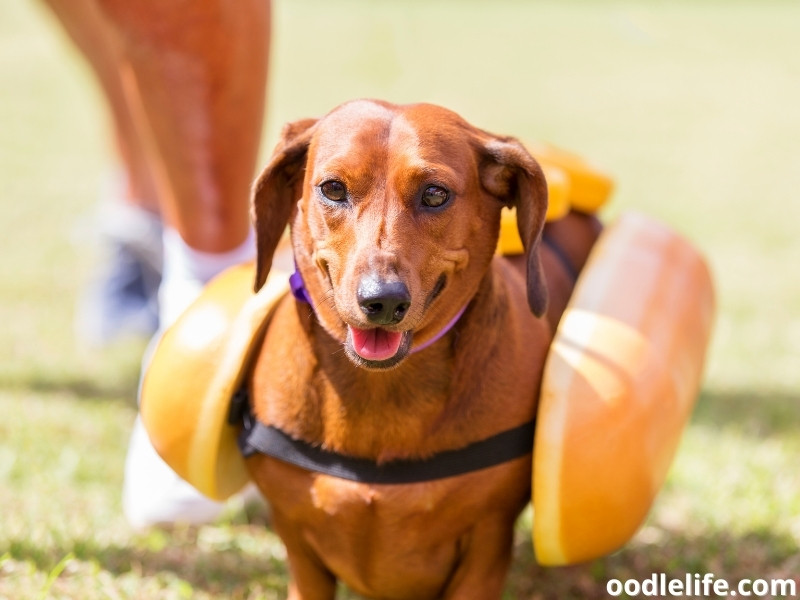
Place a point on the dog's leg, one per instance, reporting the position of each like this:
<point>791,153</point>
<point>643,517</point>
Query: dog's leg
<point>482,571</point>
<point>310,579</point>
<point>296,594</point>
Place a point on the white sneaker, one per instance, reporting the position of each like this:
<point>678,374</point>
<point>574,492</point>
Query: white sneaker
<point>153,494</point>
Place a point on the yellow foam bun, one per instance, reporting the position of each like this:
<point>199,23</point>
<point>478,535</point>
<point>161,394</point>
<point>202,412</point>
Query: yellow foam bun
<point>620,382</point>
<point>193,373</point>
<point>572,183</point>
<point>589,186</point>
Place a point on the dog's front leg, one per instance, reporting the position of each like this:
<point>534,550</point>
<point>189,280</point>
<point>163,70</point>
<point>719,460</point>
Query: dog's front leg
<point>295,592</point>
<point>485,560</point>
<point>310,579</point>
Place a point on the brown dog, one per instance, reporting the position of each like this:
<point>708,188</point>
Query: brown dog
<point>394,214</point>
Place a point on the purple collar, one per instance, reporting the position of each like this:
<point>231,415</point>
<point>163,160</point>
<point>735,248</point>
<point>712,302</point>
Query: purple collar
<point>298,286</point>
<point>300,292</point>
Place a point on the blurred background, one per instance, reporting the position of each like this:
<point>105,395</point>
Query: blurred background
<point>692,107</point>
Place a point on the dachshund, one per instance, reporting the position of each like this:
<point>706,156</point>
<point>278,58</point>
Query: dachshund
<point>408,343</point>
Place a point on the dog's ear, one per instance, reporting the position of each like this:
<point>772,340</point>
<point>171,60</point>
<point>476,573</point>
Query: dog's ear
<point>276,192</point>
<point>511,174</point>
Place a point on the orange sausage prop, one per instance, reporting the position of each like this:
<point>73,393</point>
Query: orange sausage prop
<point>194,371</point>
<point>619,385</point>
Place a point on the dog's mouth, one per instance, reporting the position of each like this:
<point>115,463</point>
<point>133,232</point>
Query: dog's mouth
<point>377,348</point>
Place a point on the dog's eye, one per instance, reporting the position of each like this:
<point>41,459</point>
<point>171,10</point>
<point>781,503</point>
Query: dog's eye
<point>435,196</point>
<point>334,190</point>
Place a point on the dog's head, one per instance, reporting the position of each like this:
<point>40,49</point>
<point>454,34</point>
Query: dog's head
<point>395,213</point>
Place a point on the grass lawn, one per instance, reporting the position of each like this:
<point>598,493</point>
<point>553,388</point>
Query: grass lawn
<point>692,106</point>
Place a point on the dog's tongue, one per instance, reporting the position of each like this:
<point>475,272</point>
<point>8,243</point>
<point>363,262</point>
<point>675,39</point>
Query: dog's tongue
<point>375,344</point>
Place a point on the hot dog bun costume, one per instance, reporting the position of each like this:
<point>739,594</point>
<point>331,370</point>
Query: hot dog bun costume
<point>196,367</point>
<point>619,383</point>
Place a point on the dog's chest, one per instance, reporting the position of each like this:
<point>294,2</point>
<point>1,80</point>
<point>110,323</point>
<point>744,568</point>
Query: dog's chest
<point>335,497</point>
<point>412,530</point>
<point>340,505</point>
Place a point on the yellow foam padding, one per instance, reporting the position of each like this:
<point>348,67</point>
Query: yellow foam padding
<point>572,183</point>
<point>620,382</point>
<point>589,186</point>
<point>195,369</point>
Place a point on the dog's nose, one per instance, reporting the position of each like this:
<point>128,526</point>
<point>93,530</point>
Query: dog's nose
<point>383,302</point>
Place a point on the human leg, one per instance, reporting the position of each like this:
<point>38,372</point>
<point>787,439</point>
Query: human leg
<point>192,77</point>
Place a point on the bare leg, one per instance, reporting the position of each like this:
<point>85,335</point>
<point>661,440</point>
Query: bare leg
<point>121,299</point>
<point>185,81</point>
<point>195,72</point>
<point>91,33</point>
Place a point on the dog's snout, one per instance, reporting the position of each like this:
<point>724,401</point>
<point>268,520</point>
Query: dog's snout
<point>383,302</point>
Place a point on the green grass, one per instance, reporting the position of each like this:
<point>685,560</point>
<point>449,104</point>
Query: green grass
<point>692,106</point>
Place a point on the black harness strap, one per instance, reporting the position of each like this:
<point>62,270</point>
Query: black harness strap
<point>268,440</point>
<point>561,254</point>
